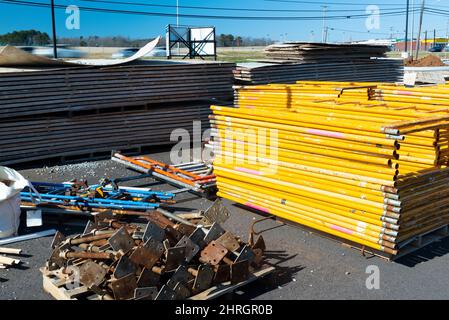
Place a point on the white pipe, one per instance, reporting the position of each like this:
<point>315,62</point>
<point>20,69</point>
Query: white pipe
<point>26,237</point>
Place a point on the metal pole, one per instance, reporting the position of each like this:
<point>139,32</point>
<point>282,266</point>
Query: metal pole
<point>53,22</point>
<point>177,13</point>
<point>406,26</point>
<point>413,22</point>
<point>420,27</point>
<point>323,38</point>
<point>434,37</point>
<point>425,40</point>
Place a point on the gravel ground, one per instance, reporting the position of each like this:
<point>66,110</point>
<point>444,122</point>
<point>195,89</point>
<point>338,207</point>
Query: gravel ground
<point>308,266</point>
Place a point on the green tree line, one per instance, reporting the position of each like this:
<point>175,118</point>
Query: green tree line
<point>25,38</point>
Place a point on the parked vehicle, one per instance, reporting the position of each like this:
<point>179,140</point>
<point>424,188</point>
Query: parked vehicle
<point>436,48</point>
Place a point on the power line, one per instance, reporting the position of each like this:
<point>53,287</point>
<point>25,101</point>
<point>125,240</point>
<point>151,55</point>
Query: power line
<point>334,3</point>
<point>223,8</point>
<point>163,14</point>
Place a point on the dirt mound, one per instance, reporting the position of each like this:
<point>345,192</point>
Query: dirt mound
<point>428,61</point>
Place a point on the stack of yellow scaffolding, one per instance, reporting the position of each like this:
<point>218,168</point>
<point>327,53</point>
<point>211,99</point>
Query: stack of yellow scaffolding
<point>334,157</point>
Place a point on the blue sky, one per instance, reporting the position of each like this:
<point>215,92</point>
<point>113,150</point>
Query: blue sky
<point>14,17</point>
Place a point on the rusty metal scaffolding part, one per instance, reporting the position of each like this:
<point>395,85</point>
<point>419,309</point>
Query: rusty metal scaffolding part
<point>163,260</point>
<point>194,176</point>
<point>364,162</point>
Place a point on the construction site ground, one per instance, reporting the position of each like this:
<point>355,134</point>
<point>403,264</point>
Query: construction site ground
<point>308,266</point>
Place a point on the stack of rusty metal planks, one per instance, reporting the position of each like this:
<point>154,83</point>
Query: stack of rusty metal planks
<point>374,173</point>
<point>79,111</point>
<point>370,70</point>
<point>39,138</point>
<point>74,89</point>
<point>318,52</point>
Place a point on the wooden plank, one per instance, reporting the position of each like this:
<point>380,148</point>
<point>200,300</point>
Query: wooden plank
<point>227,287</point>
<point>10,251</point>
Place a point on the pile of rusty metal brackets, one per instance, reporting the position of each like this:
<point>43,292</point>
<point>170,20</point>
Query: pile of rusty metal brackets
<point>159,260</point>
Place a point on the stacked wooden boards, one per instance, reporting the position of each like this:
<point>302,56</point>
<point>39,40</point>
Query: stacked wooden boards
<point>372,70</point>
<point>368,172</point>
<point>322,52</point>
<point>79,111</point>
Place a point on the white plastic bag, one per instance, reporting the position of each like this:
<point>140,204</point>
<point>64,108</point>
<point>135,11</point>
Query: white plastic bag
<point>11,184</point>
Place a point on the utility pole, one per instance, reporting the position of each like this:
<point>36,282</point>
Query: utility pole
<point>413,23</point>
<point>425,41</point>
<point>434,37</point>
<point>324,23</point>
<point>420,27</point>
<point>177,13</point>
<point>53,24</point>
<point>406,26</point>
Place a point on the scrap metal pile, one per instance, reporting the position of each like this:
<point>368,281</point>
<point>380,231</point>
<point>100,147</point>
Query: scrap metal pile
<point>159,260</point>
<point>338,159</point>
<point>87,110</point>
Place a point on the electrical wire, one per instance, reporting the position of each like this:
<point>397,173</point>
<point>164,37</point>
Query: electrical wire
<point>222,8</point>
<point>264,18</point>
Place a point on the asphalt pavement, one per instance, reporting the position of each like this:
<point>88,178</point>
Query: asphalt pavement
<point>308,266</point>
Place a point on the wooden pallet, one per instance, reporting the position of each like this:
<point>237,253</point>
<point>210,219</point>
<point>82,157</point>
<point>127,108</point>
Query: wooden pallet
<point>58,286</point>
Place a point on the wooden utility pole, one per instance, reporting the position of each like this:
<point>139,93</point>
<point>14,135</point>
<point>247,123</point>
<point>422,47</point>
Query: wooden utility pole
<point>420,28</point>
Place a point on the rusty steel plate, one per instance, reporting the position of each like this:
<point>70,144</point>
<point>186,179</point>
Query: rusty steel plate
<point>191,248</point>
<point>121,240</point>
<point>213,253</point>
<point>181,291</point>
<point>246,254</point>
<point>239,271</point>
<point>228,241</point>
<point>217,213</point>
<point>215,232</point>
<point>166,294</point>
<point>91,274</point>
<point>57,239</point>
<point>222,273</point>
<point>148,278</point>
<point>124,288</point>
<point>152,230</point>
<point>124,268</point>
<point>185,229</point>
<point>204,278</point>
<point>198,237</point>
<point>173,233</point>
<point>175,258</point>
<point>181,275</point>
<point>148,254</point>
<point>90,226</point>
<point>260,244</point>
<point>148,293</point>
